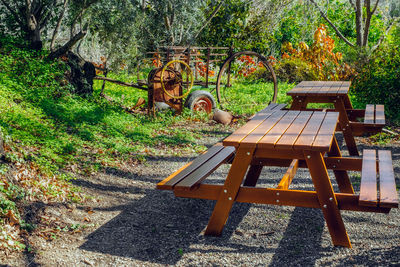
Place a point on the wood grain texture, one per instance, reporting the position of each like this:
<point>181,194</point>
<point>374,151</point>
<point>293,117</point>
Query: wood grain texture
<point>293,132</point>
<point>369,117</point>
<point>269,140</point>
<point>229,191</point>
<point>380,115</point>
<point>197,176</point>
<point>323,140</point>
<point>368,187</point>
<point>327,198</point>
<point>180,174</point>
<point>256,135</point>
<point>306,138</point>
<point>387,185</point>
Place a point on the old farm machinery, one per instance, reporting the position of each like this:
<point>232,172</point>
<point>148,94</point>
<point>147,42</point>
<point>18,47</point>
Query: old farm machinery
<point>172,83</point>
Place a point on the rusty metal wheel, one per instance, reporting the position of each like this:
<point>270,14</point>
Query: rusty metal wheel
<point>231,91</point>
<point>201,101</point>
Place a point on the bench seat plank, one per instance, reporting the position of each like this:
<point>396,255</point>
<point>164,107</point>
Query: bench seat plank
<point>181,174</point>
<point>380,114</point>
<point>387,186</point>
<point>206,169</point>
<point>369,114</point>
<point>368,188</point>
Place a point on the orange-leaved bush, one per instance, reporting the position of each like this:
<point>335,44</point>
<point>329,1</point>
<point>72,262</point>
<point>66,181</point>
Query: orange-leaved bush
<point>320,57</point>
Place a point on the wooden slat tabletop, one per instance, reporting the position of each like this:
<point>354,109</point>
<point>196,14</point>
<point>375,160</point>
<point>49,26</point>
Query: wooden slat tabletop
<point>282,129</point>
<point>255,136</point>
<point>320,88</point>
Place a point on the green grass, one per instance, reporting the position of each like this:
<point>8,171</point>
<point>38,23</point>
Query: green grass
<point>248,97</point>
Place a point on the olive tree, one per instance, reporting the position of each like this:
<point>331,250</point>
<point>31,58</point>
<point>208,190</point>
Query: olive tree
<point>364,11</point>
<point>35,20</point>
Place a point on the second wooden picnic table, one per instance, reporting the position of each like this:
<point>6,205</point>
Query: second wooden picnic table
<point>337,93</point>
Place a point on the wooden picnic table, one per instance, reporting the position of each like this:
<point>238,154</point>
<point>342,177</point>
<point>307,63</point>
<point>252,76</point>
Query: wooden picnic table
<point>293,139</point>
<point>336,92</point>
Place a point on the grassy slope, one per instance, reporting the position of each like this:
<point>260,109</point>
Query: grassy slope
<point>48,131</point>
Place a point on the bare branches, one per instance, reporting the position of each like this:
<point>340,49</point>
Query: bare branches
<point>341,36</point>
<point>208,19</point>
<point>353,5</point>
<point>66,47</point>
<point>60,18</point>
<point>376,5</point>
<point>383,36</point>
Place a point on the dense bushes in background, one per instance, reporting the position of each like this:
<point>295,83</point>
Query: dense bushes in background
<point>379,81</point>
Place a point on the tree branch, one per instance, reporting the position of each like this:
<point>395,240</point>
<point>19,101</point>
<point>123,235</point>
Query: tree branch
<point>376,5</point>
<point>341,36</point>
<point>367,22</point>
<point>353,5</point>
<point>120,82</point>
<point>80,14</point>
<point>208,20</point>
<point>66,47</point>
<point>383,36</point>
<point>60,18</point>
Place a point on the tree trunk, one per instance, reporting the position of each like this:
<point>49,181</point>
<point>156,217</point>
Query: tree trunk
<point>359,23</point>
<point>82,74</point>
<point>33,36</point>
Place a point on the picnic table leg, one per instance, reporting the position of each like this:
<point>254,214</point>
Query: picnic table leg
<point>327,199</point>
<point>347,102</point>
<point>342,178</point>
<point>252,175</point>
<point>229,191</point>
<point>299,103</point>
<point>346,127</point>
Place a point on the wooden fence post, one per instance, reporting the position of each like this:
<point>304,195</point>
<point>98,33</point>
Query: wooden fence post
<point>228,84</point>
<point>168,55</point>
<point>208,65</point>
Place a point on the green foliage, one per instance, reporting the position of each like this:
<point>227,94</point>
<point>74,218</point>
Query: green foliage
<point>379,80</point>
<point>228,24</point>
<point>294,70</point>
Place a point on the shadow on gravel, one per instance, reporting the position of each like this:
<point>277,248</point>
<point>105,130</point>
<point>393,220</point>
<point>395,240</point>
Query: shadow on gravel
<point>301,242</point>
<point>160,228</point>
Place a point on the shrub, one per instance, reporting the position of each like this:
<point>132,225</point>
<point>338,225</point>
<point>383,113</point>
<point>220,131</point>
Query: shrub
<point>294,70</point>
<point>379,82</point>
<point>321,57</point>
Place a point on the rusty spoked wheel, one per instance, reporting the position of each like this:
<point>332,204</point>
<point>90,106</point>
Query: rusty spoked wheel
<point>241,81</point>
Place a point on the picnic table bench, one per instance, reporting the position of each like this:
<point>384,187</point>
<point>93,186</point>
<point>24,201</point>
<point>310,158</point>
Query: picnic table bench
<point>292,139</point>
<point>352,122</point>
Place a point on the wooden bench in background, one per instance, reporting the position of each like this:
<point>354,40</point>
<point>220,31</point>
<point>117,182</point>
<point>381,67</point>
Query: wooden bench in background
<point>352,122</point>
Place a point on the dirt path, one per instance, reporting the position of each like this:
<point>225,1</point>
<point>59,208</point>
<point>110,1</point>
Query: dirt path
<point>130,223</point>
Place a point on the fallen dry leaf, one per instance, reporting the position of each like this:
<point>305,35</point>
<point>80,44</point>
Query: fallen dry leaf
<point>12,218</point>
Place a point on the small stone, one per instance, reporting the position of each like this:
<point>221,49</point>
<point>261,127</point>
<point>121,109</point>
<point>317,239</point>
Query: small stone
<point>223,117</point>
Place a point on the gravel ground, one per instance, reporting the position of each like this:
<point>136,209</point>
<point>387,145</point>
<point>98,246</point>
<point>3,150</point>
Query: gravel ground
<point>136,225</point>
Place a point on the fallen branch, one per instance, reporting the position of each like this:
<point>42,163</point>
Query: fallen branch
<point>120,82</point>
